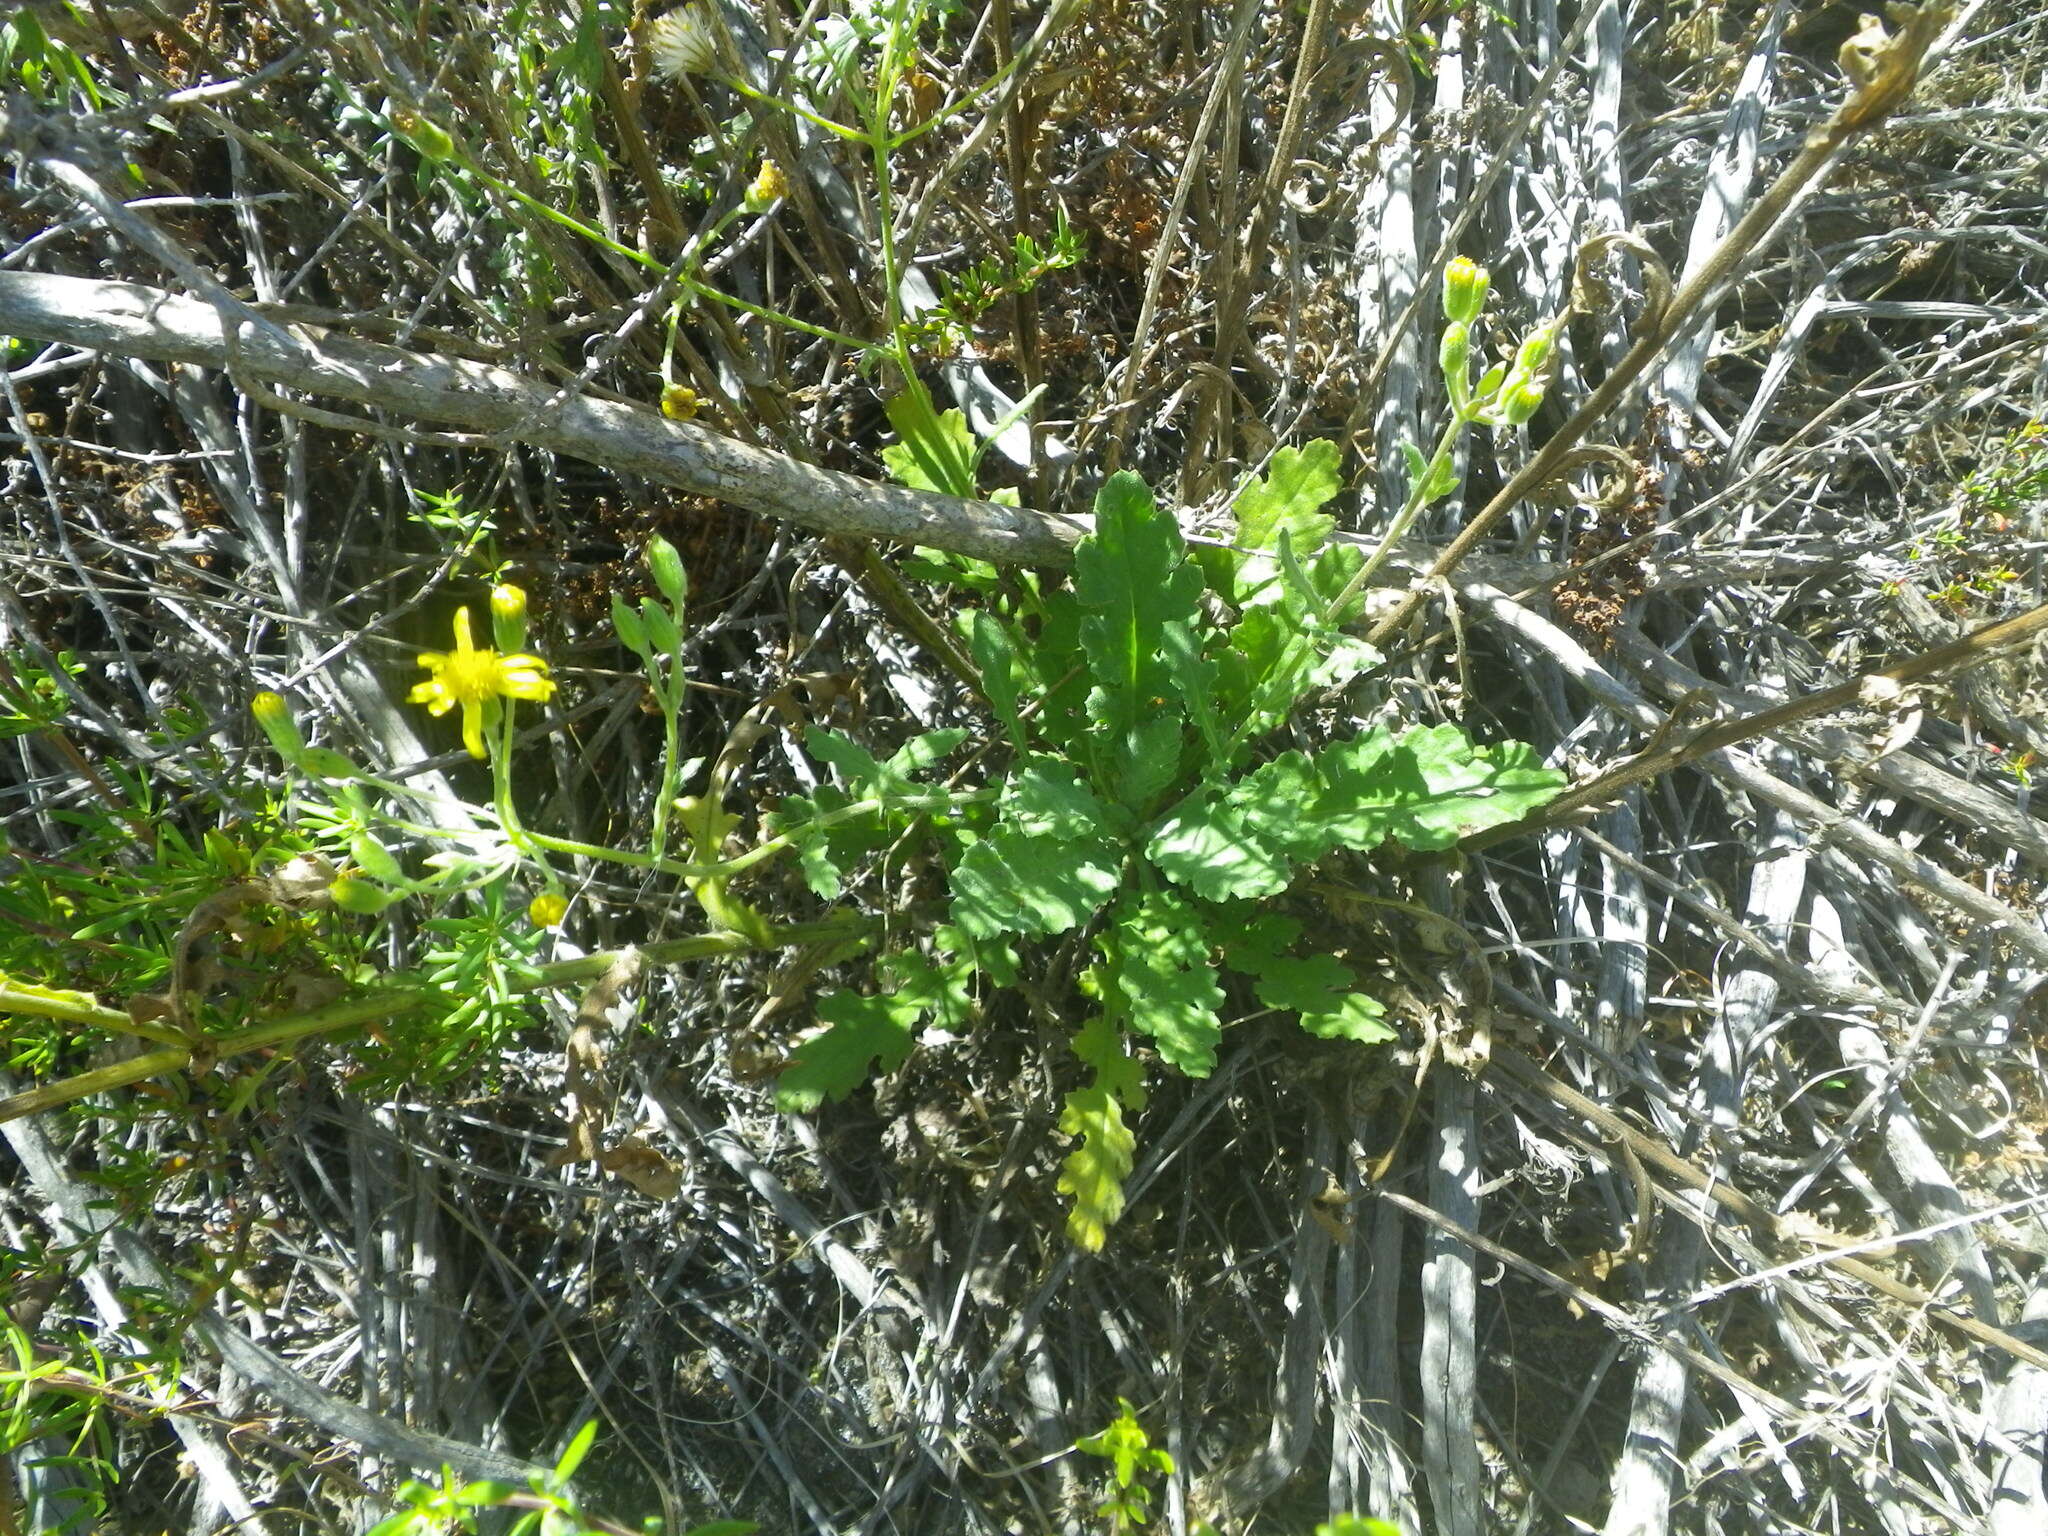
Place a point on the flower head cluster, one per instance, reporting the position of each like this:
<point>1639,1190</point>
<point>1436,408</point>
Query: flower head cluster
<point>1505,397</point>
<point>476,680</point>
<point>682,42</point>
<point>769,188</point>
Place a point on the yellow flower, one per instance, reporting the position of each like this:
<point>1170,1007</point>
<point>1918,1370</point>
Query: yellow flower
<point>477,680</point>
<point>768,189</point>
<point>547,910</point>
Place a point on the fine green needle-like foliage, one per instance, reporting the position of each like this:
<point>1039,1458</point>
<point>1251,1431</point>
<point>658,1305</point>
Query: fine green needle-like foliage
<point>1137,807</point>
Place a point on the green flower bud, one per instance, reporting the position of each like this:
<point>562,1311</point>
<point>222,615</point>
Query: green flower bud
<point>1464,289</point>
<point>660,628</point>
<point>1517,405</point>
<point>275,716</point>
<point>1536,349</point>
<point>632,633</point>
<point>508,617</point>
<point>667,568</point>
<point>359,896</point>
<point>1453,356</point>
<point>424,134</point>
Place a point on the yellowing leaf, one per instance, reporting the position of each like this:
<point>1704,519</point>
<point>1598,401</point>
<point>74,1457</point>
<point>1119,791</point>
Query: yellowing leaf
<point>1094,1171</point>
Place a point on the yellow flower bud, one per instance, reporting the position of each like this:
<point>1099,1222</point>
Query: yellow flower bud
<point>770,187</point>
<point>1519,404</point>
<point>679,402</point>
<point>1453,356</point>
<point>1465,284</point>
<point>547,910</point>
<point>275,716</point>
<point>508,617</point>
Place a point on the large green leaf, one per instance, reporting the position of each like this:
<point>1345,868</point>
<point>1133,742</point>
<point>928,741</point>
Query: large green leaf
<point>1162,966</point>
<point>1013,882</point>
<point>1131,576</point>
<point>1429,787</point>
<point>1207,845</point>
<point>1046,797</point>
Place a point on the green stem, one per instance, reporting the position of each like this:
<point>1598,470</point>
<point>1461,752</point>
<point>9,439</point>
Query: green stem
<point>938,801</point>
<point>776,316</point>
<point>382,1004</point>
<point>855,135</point>
<point>670,697</point>
<point>1398,529</point>
<point>515,831</point>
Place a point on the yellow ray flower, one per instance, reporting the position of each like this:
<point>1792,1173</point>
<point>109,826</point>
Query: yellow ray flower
<point>477,680</point>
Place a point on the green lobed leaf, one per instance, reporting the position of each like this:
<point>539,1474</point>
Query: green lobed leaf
<point>1013,882</point>
<point>1207,845</point>
<point>1148,757</point>
<point>1320,989</point>
<point>1324,992</point>
<point>943,988</point>
<point>1438,787</point>
<point>1056,674</point>
<point>1093,1173</point>
<point>1162,966</point>
<point>936,452</point>
<point>825,856</point>
<point>1046,797</point>
<point>989,957</point>
<point>1194,679</point>
<point>1418,466</point>
<point>863,1034</point>
<point>1267,667</point>
<point>855,763</point>
<point>894,780</point>
<point>1284,502</point>
<point>1131,576</point>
